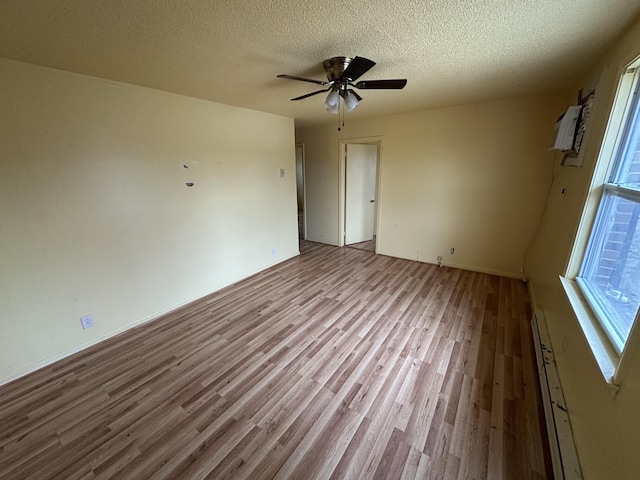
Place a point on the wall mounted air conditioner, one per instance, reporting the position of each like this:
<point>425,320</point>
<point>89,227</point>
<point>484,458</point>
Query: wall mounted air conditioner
<point>564,132</point>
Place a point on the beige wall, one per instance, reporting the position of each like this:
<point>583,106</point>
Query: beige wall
<point>606,429</point>
<point>473,177</point>
<point>95,215</point>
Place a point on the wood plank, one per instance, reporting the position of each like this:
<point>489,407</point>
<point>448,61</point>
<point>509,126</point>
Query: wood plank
<point>336,364</point>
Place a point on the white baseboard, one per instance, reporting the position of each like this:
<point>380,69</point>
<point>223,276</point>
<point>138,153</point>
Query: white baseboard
<point>112,333</point>
<point>564,456</point>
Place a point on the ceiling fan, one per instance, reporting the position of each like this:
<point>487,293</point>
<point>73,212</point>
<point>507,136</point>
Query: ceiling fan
<point>341,73</point>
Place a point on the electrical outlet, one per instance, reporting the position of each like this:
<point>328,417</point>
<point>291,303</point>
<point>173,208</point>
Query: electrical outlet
<point>451,250</point>
<point>439,258</point>
<point>86,321</point>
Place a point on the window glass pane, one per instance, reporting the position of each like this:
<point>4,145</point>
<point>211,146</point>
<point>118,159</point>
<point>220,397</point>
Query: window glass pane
<point>627,172</point>
<point>611,270</point>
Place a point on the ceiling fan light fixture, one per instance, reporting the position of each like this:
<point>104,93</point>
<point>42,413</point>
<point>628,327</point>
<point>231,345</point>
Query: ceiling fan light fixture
<point>342,72</point>
<point>332,102</point>
<point>350,101</point>
<point>332,109</point>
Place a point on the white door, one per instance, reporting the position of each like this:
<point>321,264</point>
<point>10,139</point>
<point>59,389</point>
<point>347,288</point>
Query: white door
<point>361,165</point>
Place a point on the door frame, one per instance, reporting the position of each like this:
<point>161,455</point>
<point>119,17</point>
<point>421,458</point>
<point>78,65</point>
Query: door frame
<point>342,205</point>
<point>304,191</point>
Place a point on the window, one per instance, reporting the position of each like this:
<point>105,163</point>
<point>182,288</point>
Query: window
<point>609,276</point>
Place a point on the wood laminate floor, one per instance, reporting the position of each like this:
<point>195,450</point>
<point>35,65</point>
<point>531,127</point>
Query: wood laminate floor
<point>369,245</point>
<point>335,364</point>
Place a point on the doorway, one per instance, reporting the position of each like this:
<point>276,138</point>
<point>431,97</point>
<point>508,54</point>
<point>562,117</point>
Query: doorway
<point>300,192</point>
<point>360,195</point>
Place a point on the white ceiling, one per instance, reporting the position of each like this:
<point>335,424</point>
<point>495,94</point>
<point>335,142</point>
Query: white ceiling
<point>451,51</point>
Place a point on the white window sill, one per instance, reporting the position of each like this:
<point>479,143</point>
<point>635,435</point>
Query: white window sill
<point>606,357</point>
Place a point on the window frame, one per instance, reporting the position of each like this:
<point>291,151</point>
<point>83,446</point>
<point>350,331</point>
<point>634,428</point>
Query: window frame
<point>607,346</point>
<point>610,191</point>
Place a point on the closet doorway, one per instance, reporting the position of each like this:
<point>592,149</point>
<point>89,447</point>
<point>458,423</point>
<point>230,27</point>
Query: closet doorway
<point>360,195</point>
<point>300,189</point>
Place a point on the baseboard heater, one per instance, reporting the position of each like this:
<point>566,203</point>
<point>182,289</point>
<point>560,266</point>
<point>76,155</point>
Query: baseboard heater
<point>563,450</point>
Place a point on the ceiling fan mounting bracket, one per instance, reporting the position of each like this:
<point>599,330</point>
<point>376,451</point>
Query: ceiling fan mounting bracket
<point>335,67</point>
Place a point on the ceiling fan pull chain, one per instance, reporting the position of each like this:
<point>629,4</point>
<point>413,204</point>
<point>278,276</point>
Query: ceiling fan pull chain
<point>343,107</point>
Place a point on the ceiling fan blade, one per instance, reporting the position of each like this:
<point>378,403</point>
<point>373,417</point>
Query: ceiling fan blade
<point>358,67</point>
<point>396,84</point>
<point>311,94</point>
<point>302,79</point>
<point>356,94</point>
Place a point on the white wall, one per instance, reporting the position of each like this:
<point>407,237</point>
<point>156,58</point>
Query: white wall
<point>472,177</point>
<point>606,428</point>
<point>95,216</point>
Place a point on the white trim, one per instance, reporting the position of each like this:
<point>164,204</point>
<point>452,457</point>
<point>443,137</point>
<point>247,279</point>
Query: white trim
<point>304,191</point>
<point>603,352</point>
<point>631,194</point>
<point>612,363</point>
<point>147,318</point>
<point>612,366</point>
<point>632,345</point>
<point>470,268</point>
<point>342,143</point>
<point>488,271</point>
<point>618,108</point>
<point>601,314</point>
<point>563,449</point>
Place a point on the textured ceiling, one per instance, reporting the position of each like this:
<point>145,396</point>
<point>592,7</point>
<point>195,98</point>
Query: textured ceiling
<point>451,51</point>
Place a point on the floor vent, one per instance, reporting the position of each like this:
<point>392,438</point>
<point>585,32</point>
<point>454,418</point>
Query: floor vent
<point>563,450</point>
